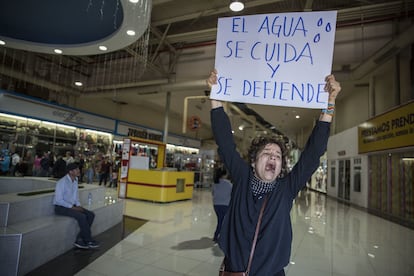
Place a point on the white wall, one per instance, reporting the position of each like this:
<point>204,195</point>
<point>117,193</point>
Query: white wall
<point>343,146</point>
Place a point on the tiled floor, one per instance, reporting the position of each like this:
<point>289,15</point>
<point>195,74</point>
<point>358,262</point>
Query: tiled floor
<point>330,238</point>
<point>76,259</point>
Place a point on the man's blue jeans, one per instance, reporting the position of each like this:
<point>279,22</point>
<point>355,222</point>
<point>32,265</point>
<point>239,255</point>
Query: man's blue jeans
<point>84,218</point>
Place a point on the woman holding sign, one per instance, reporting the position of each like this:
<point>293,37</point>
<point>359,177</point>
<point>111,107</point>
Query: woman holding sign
<point>256,235</point>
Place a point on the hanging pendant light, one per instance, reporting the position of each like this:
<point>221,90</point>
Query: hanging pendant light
<point>236,5</point>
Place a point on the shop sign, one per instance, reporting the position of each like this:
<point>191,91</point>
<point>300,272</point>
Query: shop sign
<point>394,129</point>
<point>42,110</point>
<point>137,132</point>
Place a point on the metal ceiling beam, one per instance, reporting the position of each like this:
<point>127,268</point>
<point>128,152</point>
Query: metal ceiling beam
<point>351,14</point>
<point>148,64</point>
<point>98,88</point>
<point>162,38</point>
<point>162,87</point>
<point>34,80</point>
<point>390,50</point>
<point>209,12</point>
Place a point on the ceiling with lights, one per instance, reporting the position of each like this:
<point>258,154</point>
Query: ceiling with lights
<point>100,63</point>
<point>75,27</point>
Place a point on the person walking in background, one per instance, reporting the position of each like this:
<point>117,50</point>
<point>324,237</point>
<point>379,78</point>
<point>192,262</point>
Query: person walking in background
<point>44,165</point>
<point>264,178</point>
<point>27,164</point>
<point>105,170</point>
<point>36,165</point>
<point>81,162</point>
<point>115,171</point>
<point>15,162</point>
<point>66,201</point>
<point>89,170</point>
<point>4,162</point>
<point>221,197</point>
<point>68,158</point>
<point>59,167</point>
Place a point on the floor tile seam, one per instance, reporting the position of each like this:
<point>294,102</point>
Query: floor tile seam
<point>89,269</point>
<point>161,268</point>
<point>196,259</point>
<point>134,269</point>
<point>143,263</point>
<point>184,273</point>
<point>114,254</point>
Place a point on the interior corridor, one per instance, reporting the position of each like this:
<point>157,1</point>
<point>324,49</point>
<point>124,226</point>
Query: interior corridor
<point>330,238</point>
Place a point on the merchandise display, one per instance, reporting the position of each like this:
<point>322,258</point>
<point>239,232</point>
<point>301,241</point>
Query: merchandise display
<point>29,137</point>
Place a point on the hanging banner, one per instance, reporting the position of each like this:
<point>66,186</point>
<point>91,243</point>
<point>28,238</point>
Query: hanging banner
<point>275,59</point>
<point>125,158</point>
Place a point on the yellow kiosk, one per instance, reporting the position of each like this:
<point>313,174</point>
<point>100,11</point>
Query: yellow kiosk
<point>143,175</point>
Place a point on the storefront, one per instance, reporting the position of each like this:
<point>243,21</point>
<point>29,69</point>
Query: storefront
<point>373,165</point>
<point>32,127</point>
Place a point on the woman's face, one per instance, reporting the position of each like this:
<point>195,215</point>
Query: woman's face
<point>268,164</point>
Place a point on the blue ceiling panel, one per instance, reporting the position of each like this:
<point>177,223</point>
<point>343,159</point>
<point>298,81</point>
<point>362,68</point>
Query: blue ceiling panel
<point>62,22</point>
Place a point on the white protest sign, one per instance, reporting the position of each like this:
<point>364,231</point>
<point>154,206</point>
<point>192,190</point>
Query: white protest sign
<point>275,59</point>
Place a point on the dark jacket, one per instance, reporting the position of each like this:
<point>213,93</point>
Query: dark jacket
<point>59,168</point>
<point>275,236</point>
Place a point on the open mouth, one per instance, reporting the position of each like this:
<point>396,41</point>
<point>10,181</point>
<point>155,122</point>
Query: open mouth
<point>270,167</point>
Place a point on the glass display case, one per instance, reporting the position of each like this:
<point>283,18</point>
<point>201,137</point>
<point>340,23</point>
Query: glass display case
<point>23,135</point>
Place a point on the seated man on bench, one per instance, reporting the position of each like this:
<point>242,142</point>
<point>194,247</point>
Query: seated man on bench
<point>67,203</point>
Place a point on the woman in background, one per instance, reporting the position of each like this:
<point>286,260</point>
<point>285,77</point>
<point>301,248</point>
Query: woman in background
<point>221,197</point>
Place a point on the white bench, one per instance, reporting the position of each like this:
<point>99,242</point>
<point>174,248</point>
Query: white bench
<point>31,234</point>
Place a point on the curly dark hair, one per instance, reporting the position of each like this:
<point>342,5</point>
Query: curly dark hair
<point>259,143</point>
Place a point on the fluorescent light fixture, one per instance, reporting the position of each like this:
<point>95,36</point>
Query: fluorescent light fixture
<point>48,123</point>
<point>34,121</point>
<point>78,83</point>
<point>407,159</point>
<point>130,32</point>
<point>236,6</point>
<point>12,116</point>
<point>103,48</point>
<point>2,42</point>
<point>65,126</point>
<point>134,1</point>
<point>182,148</point>
<point>58,51</point>
<point>97,132</point>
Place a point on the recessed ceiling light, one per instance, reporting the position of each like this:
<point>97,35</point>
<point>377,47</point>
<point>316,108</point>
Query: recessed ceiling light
<point>297,117</point>
<point>134,1</point>
<point>236,6</point>
<point>103,48</point>
<point>130,32</point>
<point>78,83</point>
<point>2,42</point>
<point>58,51</point>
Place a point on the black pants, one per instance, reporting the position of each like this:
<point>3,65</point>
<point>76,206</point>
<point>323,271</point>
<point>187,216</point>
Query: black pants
<point>84,219</point>
<point>221,211</point>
